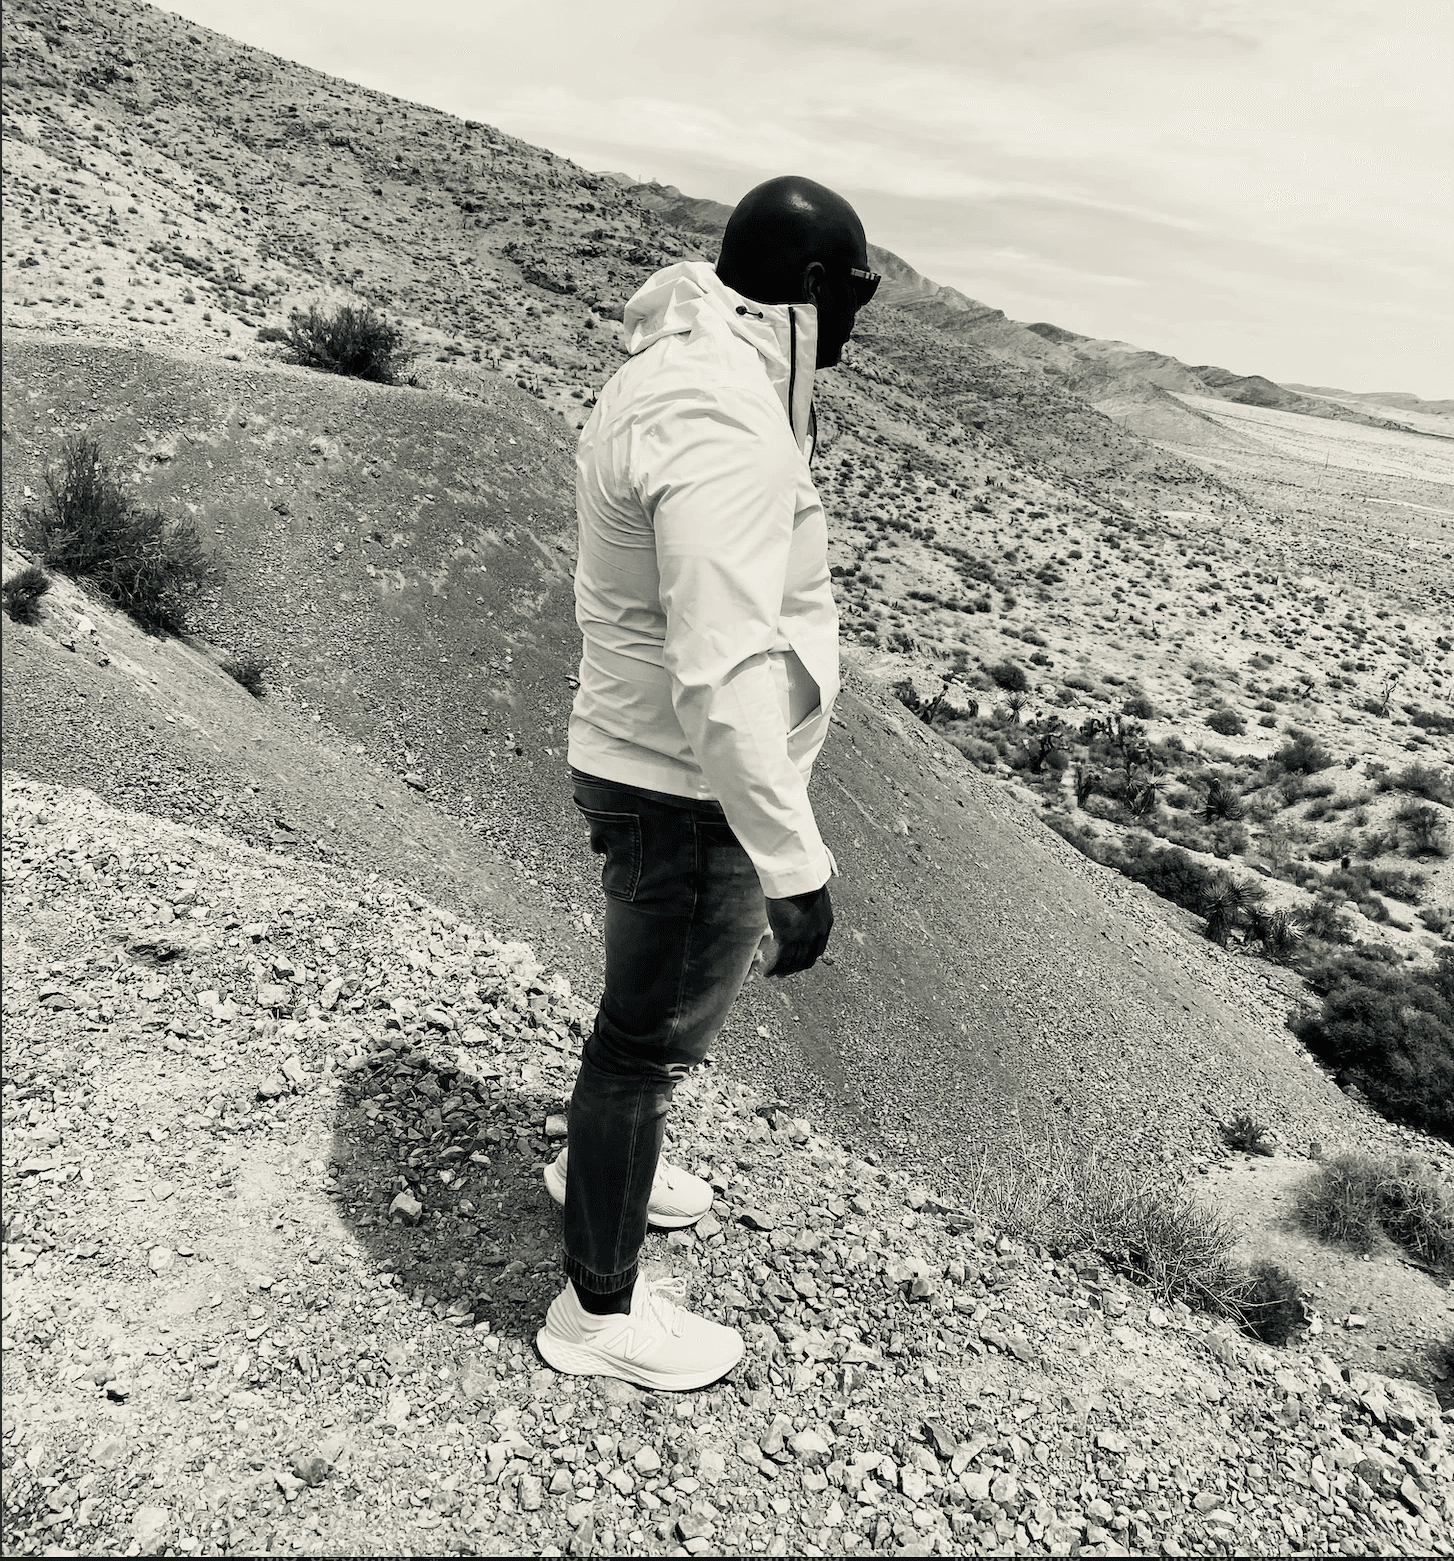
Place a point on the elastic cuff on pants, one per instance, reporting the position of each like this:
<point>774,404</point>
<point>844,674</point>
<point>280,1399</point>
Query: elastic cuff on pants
<point>599,1284</point>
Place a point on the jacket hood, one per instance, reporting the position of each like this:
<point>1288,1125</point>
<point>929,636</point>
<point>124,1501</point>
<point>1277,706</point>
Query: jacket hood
<point>689,297</point>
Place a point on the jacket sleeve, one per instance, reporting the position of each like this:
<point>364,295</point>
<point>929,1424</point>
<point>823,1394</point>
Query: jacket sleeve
<point>720,484</point>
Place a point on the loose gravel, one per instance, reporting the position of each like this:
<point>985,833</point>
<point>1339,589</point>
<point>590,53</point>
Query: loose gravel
<point>276,1247</point>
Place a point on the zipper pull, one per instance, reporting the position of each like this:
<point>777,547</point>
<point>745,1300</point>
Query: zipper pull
<point>743,309</point>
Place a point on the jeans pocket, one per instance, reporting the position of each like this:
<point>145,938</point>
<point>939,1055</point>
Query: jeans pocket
<point>617,837</point>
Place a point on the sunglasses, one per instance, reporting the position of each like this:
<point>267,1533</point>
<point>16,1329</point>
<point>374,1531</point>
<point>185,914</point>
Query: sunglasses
<point>863,283</point>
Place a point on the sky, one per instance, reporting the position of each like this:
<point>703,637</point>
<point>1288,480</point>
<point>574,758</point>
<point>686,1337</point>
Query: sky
<point>1265,185</point>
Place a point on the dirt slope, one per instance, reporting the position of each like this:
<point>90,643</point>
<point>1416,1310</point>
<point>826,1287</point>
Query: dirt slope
<point>219,1341</point>
<point>393,551</point>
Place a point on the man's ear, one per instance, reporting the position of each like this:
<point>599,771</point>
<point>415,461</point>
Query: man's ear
<point>814,276</point>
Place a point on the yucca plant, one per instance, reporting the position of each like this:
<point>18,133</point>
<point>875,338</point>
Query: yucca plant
<point>1228,905</point>
<point>1221,803</point>
<point>1279,932</point>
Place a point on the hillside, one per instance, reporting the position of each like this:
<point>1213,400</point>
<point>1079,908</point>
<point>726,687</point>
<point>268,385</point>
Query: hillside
<point>401,557</point>
<point>272,1269</point>
<point>979,509</point>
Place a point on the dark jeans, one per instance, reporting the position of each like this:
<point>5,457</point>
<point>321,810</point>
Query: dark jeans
<point>684,916</point>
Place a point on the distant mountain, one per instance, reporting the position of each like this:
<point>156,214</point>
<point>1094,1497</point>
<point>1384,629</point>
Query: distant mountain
<point>1111,375</point>
<point>1401,399</point>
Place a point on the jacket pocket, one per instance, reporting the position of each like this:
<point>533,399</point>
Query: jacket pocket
<point>617,837</point>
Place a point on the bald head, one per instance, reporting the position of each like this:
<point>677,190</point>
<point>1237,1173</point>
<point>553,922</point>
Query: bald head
<point>791,241</point>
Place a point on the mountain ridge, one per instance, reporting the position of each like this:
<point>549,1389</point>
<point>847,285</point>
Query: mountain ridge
<point>1100,370</point>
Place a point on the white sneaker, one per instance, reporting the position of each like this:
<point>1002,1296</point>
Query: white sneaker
<point>677,1197</point>
<point>657,1344</point>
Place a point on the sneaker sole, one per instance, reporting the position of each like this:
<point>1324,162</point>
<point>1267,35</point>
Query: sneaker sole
<point>555,1186</point>
<point>579,1360</point>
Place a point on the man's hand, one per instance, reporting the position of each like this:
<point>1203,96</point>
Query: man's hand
<point>801,925</point>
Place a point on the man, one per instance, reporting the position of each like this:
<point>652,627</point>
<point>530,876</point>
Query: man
<point>709,670</point>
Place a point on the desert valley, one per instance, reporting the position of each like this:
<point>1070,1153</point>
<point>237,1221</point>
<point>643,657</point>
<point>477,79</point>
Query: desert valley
<point>1141,788</point>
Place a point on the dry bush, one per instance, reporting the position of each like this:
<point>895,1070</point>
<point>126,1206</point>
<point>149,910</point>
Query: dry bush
<point>22,592</point>
<point>91,530</point>
<point>1269,1303</point>
<point>352,341</point>
<point>1354,1199</point>
<point>1061,1196</point>
<point>250,671</point>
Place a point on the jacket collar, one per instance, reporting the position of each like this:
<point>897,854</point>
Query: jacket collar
<point>689,296</point>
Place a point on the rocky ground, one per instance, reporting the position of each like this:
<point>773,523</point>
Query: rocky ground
<point>276,1247</point>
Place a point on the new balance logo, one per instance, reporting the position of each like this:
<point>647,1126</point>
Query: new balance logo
<point>627,1347</point>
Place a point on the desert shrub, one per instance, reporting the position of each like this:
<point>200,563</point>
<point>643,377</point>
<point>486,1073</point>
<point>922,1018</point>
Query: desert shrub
<point>1083,839</point>
<point>1139,707</point>
<point>22,592</point>
<point>1374,842</point>
<point>1111,809</point>
<point>353,341</point>
<point>1010,676</point>
<point>1396,882</point>
<point>1430,720</point>
<point>1226,723</point>
<point>249,671</point>
<point>1422,780</point>
<point>1353,1199</point>
<point>1302,755</point>
<point>1268,721</point>
<point>1078,680</point>
<point>1062,1197</point>
<point>1325,918</point>
<point>272,333</point>
<point>1386,1027</point>
<point>1279,934</point>
<point>976,750</point>
<point>1228,903</point>
<point>1246,1133</point>
<point>1334,847</point>
<point>1425,829</point>
<point>1269,1304</point>
<point>1165,870</point>
<point>92,531</point>
<point>1228,838</point>
<point>1290,789</point>
<point>1183,832</point>
<point>1438,918</point>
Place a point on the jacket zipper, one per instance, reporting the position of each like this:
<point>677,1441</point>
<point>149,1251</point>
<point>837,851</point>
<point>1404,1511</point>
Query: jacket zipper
<point>792,366</point>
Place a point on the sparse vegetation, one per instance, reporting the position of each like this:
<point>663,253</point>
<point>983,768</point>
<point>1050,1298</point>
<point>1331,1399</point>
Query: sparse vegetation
<point>1061,1197</point>
<point>1354,1200</point>
<point>1010,676</point>
<point>23,591</point>
<point>1425,829</point>
<point>92,531</point>
<point>1302,755</point>
<point>1245,1132</point>
<point>354,341</point>
<point>1226,723</point>
<point>1387,1028</point>
<point>1269,1303</point>
<point>1420,780</point>
<point>248,670</point>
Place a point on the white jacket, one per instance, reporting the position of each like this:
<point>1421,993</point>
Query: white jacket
<point>702,588</point>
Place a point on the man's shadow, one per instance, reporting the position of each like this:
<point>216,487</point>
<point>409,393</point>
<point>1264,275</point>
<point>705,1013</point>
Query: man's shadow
<point>438,1163</point>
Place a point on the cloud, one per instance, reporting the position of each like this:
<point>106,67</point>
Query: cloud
<point>1222,177</point>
